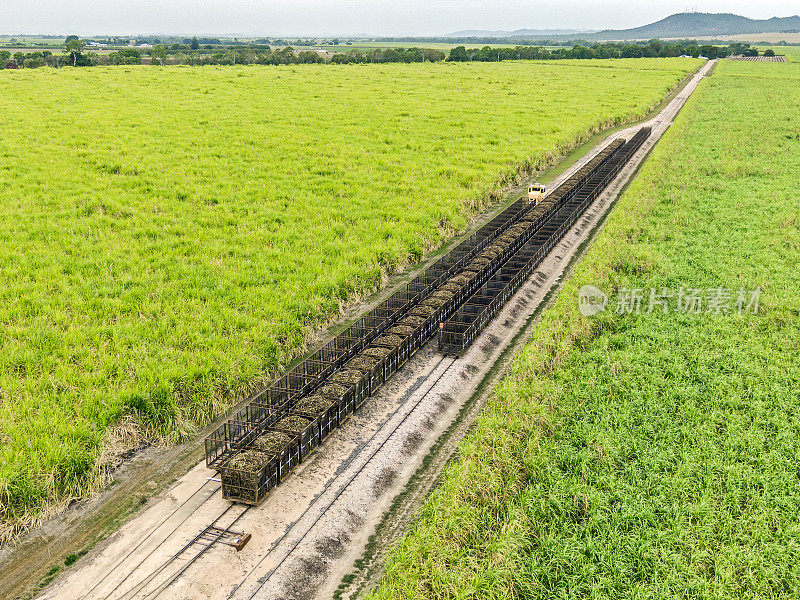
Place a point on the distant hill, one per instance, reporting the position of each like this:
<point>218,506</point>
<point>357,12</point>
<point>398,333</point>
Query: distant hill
<point>686,25</point>
<point>539,33</point>
<point>680,25</point>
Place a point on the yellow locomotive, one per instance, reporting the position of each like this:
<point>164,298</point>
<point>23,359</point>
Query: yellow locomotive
<point>536,193</point>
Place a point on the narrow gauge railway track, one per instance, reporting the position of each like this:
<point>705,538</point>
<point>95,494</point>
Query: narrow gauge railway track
<point>121,562</point>
<point>150,588</point>
<point>159,579</point>
<point>260,445</point>
<point>261,582</point>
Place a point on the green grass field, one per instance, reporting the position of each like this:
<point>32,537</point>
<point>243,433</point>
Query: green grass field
<point>168,238</point>
<point>651,455</point>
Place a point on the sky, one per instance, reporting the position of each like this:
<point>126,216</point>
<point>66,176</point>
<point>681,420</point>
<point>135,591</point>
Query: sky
<point>351,17</point>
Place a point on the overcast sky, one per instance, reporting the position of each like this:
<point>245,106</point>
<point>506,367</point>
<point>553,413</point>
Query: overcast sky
<point>349,17</point>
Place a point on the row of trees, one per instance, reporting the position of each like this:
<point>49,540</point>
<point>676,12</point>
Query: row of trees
<point>279,56</point>
<point>43,58</point>
<point>652,49</point>
<point>74,58</point>
<point>158,57</point>
<point>161,55</point>
<point>288,56</point>
<point>389,55</point>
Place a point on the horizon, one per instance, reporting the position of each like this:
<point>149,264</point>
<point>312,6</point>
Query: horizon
<point>498,15</point>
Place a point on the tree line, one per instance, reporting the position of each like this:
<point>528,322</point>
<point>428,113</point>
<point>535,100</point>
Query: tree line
<point>161,55</point>
<point>652,49</point>
<point>182,54</point>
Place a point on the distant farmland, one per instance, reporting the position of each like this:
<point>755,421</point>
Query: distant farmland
<point>170,236</point>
